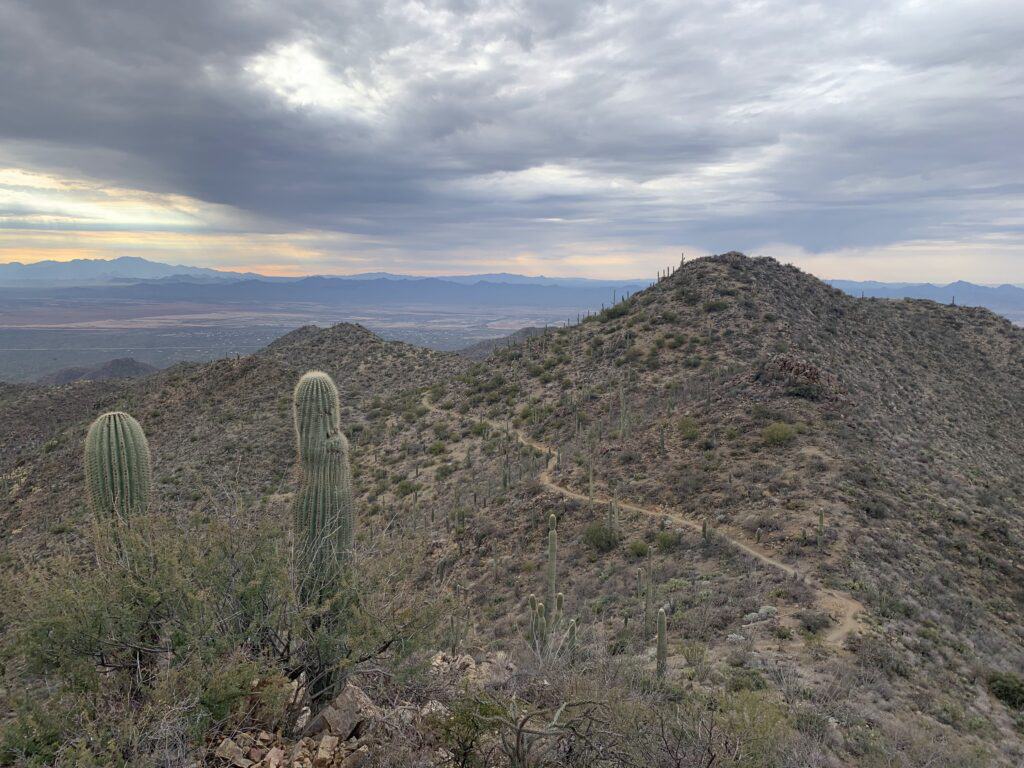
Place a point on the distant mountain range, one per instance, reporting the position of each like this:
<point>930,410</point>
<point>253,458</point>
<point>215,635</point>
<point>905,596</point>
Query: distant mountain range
<point>1005,299</point>
<point>133,278</point>
<point>92,271</point>
<point>134,269</point>
<point>339,292</point>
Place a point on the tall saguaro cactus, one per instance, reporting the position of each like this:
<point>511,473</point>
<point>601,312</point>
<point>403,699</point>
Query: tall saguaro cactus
<point>118,476</point>
<point>323,507</point>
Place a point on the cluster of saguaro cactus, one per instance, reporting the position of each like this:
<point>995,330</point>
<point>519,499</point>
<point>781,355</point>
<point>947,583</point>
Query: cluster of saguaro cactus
<point>323,507</point>
<point>546,625</point>
<point>544,635</point>
<point>118,476</point>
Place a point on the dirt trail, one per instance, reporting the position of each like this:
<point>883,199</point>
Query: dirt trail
<point>844,609</point>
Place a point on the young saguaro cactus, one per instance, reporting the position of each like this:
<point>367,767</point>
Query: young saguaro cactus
<point>649,616</point>
<point>323,507</point>
<point>552,559</point>
<point>118,476</point>
<point>662,651</point>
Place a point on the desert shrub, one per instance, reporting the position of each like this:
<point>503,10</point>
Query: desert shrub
<point>180,633</point>
<point>616,310</point>
<point>688,429</point>
<point>874,652</point>
<point>600,538</point>
<point>404,488</point>
<point>813,621</point>
<point>464,727</point>
<point>758,722</point>
<point>668,540</point>
<point>1008,688</point>
<point>778,433</point>
<point>745,680</point>
<point>638,548</point>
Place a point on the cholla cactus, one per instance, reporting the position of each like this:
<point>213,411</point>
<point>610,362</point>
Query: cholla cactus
<point>323,508</point>
<point>662,651</point>
<point>118,476</point>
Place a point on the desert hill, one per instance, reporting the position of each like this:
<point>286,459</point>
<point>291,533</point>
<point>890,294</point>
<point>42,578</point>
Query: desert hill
<point>857,464</point>
<point>121,368</point>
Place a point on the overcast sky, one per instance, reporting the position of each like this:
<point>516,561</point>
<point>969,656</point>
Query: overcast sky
<point>856,139</point>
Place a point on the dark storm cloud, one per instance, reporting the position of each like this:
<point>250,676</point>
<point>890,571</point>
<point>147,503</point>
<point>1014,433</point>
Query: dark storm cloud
<point>459,125</point>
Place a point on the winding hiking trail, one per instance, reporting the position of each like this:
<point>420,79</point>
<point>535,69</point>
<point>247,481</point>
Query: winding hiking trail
<point>843,608</point>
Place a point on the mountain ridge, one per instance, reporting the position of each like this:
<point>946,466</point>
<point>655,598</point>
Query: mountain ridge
<point>867,445</point>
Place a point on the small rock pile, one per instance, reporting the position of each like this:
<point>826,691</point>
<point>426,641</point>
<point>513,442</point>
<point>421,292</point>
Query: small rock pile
<point>336,738</point>
<point>352,728</point>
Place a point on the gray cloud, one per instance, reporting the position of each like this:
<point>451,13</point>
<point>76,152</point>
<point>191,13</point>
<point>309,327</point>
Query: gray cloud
<point>467,126</point>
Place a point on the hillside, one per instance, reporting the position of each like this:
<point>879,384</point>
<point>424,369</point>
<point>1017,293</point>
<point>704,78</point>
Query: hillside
<point>484,349</point>
<point>723,410</point>
<point>121,368</point>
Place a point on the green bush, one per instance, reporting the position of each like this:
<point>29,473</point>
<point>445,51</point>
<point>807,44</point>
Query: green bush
<point>616,310</point>
<point>778,433</point>
<point>1008,688</point>
<point>745,680</point>
<point>186,624</point>
<point>638,548</point>
<point>600,538</point>
<point>668,540</point>
<point>404,488</point>
<point>688,429</point>
<point>813,621</point>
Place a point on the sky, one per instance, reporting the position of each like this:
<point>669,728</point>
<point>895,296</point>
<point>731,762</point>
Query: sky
<point>856,139</point>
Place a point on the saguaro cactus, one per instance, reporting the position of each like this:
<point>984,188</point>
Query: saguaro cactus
<point>662,651</point>
<point>118,477</point>
<point>323,507</point>
<point>540,627</point>
<point>649,602</point>
<point>317,412</point>
<point>570,639</point>
<point>552,559</point>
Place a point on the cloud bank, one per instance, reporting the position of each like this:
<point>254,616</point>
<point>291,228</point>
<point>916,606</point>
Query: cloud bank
<point>568,137</point>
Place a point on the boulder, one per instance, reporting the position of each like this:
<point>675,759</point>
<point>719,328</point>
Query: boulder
<point>347,716</point>
<point>231,753</point>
